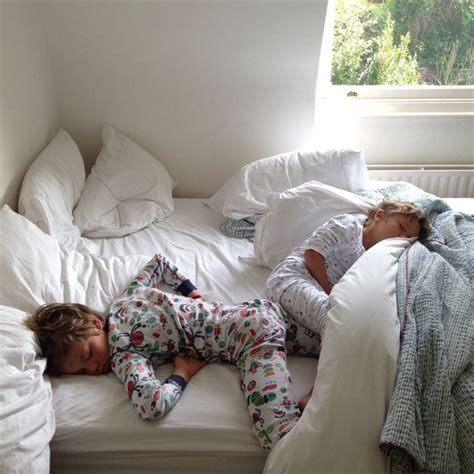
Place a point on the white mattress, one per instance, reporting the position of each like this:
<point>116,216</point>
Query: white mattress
<point>209,429</point>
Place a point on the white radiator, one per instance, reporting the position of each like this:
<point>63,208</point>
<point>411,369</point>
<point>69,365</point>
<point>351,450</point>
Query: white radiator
<point>442,182</point>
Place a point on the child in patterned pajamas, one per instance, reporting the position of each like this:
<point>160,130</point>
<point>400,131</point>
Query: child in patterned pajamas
<point>147,327</point>
<point>302,282</point>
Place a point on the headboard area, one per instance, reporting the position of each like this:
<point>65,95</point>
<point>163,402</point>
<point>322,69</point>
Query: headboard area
<point>206,87</point>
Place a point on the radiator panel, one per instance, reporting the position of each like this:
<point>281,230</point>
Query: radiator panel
<point>443,183</point>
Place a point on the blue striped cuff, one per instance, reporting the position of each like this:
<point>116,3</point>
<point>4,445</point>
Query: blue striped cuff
<point>177,380</point>
<point>186,287</point>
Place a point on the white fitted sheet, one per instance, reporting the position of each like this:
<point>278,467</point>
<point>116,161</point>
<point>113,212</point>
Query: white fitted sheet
<point>209,429</point>
<point>191,238</point>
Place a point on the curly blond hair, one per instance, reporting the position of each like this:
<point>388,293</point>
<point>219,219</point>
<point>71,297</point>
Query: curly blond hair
<point>58,326</point>
<point>389,206</point>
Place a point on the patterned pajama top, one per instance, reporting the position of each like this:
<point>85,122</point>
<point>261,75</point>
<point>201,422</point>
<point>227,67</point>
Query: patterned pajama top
<point>339,241</point>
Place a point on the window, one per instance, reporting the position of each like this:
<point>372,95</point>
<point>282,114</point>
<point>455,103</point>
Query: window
<point>399,57</point>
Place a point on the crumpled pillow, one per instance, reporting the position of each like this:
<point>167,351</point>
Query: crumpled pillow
<point>296,213</point>
<point>36,269</point>
<point>245,193</point>
<point>127,190</point>
<point>52,187</point>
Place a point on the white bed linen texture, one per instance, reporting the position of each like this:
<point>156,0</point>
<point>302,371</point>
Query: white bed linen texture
<point>117,198</point>
<point>192,240</point>
<point>245,193</point>
<point>26,408</point>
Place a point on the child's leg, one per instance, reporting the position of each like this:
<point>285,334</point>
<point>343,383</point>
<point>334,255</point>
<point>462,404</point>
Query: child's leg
<point>300,340</point>
<point>160,269</point>
<point>256,339</point>
<point>307,304</point>
<point>267,388</point>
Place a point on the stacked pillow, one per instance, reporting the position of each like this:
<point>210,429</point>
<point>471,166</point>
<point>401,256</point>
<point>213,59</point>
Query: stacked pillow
<point>245,193</point>
<point>51,189</point>
<point>127,190</point>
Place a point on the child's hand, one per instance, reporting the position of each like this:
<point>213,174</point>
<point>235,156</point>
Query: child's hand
<point>186,367</point>
<point>195,295</point>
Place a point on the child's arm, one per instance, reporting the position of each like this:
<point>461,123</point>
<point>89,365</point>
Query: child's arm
<point>150,397</point>
<point>316,265</point>
<point>325,239</point>
<point>160,269</point>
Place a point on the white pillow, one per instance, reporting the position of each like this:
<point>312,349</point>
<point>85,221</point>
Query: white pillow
<point>245,193</point>
<point>296,213</point>
<point>37,270</point>
<point>127,189</point>
<point>340,428</point>
<point>27,417</point>
<point>51,188</point>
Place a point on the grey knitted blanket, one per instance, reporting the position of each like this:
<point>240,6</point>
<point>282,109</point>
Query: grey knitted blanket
<point>430,421</point>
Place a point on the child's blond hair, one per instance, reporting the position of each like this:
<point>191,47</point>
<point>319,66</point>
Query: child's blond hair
<point>389,206</point>
<point>58,326</point>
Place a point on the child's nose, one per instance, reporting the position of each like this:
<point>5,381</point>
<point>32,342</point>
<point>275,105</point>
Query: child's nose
<point>92,368</point>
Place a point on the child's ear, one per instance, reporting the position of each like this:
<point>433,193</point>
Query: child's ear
<point>379,215</point>
<point>97,322</point>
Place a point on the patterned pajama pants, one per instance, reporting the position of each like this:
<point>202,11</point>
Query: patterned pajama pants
<point>255,341</point>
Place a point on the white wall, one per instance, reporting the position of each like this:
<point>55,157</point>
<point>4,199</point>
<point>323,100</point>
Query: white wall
<point>205,86</point>
<point>28,111</point>
<point>406,139</point>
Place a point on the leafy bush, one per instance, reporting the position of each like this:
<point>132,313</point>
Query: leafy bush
<point>403,42</point>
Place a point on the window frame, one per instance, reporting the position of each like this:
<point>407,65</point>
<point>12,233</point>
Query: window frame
<point>386,100</point>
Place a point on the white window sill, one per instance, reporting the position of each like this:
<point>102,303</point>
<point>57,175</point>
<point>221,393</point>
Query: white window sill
<point>369,101</point>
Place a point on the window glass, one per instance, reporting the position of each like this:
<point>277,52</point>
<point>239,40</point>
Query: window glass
<point>403,43</point>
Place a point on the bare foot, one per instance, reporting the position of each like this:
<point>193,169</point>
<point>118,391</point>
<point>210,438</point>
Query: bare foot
<point>304,401</point>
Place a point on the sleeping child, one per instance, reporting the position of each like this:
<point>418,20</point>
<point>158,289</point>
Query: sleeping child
<point>302,282</point>
<point>147,327</point>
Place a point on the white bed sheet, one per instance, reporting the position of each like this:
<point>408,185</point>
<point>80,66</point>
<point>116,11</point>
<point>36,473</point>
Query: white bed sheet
<point>209,429</point>
<point>191,238</point>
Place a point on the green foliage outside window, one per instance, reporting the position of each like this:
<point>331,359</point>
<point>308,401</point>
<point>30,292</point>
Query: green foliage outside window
<point>403,42</point>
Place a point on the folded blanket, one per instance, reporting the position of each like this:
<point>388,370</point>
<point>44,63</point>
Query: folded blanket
<point>430,421</point>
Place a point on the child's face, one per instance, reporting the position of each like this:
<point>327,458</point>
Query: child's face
<point>90,356</point>
<point>394,225</point>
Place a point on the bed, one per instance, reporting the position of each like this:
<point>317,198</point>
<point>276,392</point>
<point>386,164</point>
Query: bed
<point>85,424</point>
